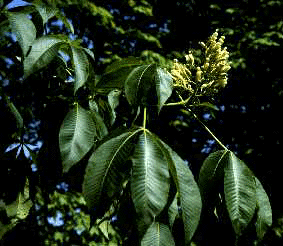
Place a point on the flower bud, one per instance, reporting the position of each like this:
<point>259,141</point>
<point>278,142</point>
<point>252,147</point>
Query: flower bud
<point>198,74</point>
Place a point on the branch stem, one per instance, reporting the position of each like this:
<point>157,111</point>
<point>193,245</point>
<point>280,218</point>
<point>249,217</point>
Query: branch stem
<point>183,102</point>
<point>144,118</point>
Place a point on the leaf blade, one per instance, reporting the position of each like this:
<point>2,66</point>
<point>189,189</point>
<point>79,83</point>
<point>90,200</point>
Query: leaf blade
<point>43,51</point>
<point>150,179</point>
<point>264,213</point>
<point>211,174</point>
<point>188,192</point>
<point>81,65</point>
<point>24,29</point>
<point>138,84</point>
<point>240,193</point>
<point>158,234</point>
<point>103,169</point>
<point>164,87</point>
<point>76,136</point>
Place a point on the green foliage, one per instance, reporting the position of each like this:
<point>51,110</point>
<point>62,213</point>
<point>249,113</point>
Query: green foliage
<point>128,168</point>
<point>243,192</point>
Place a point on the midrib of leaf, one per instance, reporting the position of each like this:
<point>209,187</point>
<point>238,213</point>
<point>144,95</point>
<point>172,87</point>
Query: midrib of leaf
<point>219,161</point>
<point>146,167</point>
<point>139,81</point>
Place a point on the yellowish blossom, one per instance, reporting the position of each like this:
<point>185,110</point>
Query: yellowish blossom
<point>206,78</point>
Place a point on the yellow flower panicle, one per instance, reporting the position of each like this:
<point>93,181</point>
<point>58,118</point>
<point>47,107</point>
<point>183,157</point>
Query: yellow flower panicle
<point>211,75</point>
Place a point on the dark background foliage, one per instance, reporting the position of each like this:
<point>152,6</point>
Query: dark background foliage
<point>249,119</point>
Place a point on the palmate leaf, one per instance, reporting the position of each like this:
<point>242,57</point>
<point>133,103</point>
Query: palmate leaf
<point>76,136</point>
<point>24,29</point>
<point>81,65</point>
<point>150,181</point>
<point>240,193</point>
<point>43,51</point>
<point>264,213</point>
<point>188,191</point>
<point>104,173</point>
<point>158,234</point>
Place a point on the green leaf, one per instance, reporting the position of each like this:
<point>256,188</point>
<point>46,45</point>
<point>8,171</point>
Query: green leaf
<point>104,173</point>
<point>138,84</point>
<point>116,73</point>
<point>101,129</point>
<point>24,29</point>
<point>158,234</point>
<point>43,51</point>
<point>211,175</point>
<point>164,86</point>
<point>264,213</point>
<point>173,212</point>
<point>150,180</point>
<point>46,12</point>
<point>113,101</point>
<point>76,136</point>
<point>81,65</point>
<point>189,195</point>
<point>240,193</point>
<point>187,190</point>
<point>126,62</point>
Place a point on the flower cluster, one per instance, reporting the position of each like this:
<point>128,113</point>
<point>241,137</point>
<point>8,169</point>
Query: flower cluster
<point>208,77</point>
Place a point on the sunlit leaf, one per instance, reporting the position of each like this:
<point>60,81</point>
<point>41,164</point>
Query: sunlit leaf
<point>150,180</point>
<point>24,29</point>
<point>240,193</point>
<point>76,136</point>
<point>264,213</point>
<point>158,234</point>
<point>46,12</point>
<point>43,51</point>
<point>81,65</point>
